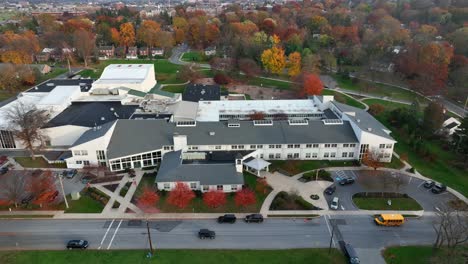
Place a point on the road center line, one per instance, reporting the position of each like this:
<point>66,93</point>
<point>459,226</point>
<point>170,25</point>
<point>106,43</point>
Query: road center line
<point>105,235</point>
<point>115,233</point>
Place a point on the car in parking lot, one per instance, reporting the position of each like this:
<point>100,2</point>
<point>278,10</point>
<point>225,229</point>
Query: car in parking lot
<point>254,218</point>
<point>69,174</point>
<point>335,202</point>
<point>429,184</point>
<point>438,188</point>
<point>330,190</point>
<point>206,233</point>
<point>227,218</point>
<point>349,252</point>
<point>27,199</point>
<point>347,181</point>
<point>3,170</point>
<point>81,244</point>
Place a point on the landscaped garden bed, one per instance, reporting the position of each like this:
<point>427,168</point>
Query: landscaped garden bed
<point>380,201</point>
<point>125,189</point>
<point>322,175</point>
<point>288,201</point>
<point>91,201</point>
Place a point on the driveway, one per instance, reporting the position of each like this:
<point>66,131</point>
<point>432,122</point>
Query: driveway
<point>384,181</point>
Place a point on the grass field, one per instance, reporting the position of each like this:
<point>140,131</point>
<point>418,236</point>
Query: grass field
<point>297,256</point>
<point>84,205</point>
<point>344,99</point>
<point>421,255</point>
<point>39,162</point>
<point>389,106</point>
<point>174,88</point>
<point>405,204</point>
<point>195,56</point>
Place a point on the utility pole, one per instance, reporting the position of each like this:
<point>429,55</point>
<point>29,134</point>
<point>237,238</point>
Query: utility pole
<point>63,191</point>
<point>149,238</point>
<point>331,238</point>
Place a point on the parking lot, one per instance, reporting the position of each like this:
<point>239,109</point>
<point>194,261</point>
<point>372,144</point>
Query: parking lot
<point>384,181</point>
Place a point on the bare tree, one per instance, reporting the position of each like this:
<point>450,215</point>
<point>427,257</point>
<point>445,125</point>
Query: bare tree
<point>451,229</point>
<point>25,122</point>
<point>12,187</point>
<point>85,43</point>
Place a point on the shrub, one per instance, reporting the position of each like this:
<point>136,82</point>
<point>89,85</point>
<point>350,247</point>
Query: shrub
<point>221,78</point>
<point>116,205</point>
<point>376,109</point>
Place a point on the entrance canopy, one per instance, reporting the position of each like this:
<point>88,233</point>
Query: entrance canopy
<point>257,164</point>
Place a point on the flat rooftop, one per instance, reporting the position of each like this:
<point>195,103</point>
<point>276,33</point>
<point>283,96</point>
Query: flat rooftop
<point>48,86</point>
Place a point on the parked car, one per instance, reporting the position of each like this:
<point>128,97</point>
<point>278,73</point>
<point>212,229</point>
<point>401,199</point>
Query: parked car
<point>349,252</point>
<point>27,199</point>
<point>254,218</point>
<point>438,188</point>
<point>347,181</point>
<point>70,173</point>
<point>330,190</point>
<point>335,202</point>
<point>227,218</point>
<point>3,170</point>
<point>429,184</point>
<point>206,233</point>
<point>81,244</point>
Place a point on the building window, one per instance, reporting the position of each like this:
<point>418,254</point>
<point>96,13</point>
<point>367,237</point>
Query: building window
<point>146,156</point>
<point>241,146</point>
<point>314,155</point>
<point>138,157</point>
<point>389,146</point>
<point>193,147</point>
<point>76,153</point>
<point>296,155</point>
<point>234,147</point>
<point>253,146</point>
<point>352,145</point>
<point>387,155</point>
<point>308,145</point>
<point>382,146</point>
<point>290,156</point>
<point>271,156</point>
<point>233,187</point>
<point>219,187</point>
<point>333,154</point>
<point>327,145</point>
<point>326,155</point>
<point>84,153</point>
<point>259,146</point>
<point>271,146</point>
<point>315,145</point>
<point>344,154</point>
<point>86,162</point>
<point>278,156</point>
<point>217,147</point>
<point>206,187</point>
<point>167,186</point>
<point>297,145</point>
<point>351,154</point>
<point>334,145</point>
<point>290,146</point>
<point>307,155</point>
<point>147,163</point>
<point>345,145</point>
<point>79,162</point>
<point>278,146</point>
<point>168,147</point>
<point>193,185</point>
<point>116,167</point>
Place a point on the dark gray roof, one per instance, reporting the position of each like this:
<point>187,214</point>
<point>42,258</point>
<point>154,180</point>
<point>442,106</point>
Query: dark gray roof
<point>173,170</point>
<point>93,133</point>
<point>46,87</point>
<point>90,114</point>
<point>364,120</point>
<point>148,135</point>
<point>201,92</point>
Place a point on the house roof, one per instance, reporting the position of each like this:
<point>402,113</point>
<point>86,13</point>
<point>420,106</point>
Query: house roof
<point>201,92</point>
<point>148,135</point>
<point>48,86</point>
<point>173,169</point>
<point>258,164</point>
<point>90,114</point>
<point>94,133</point>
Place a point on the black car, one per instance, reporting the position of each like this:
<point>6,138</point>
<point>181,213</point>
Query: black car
<point>254,218</point>
<point>438,188</point>
<point>347,181</point>
<point>206,233</point>
<point>27,199</point>
<point>349,252</point>
<point>70,173</point>
<point>227,218</point>
<point>81,244</point>
<point>330,190</point>
<point>3,170</point>
<point>429,184</point>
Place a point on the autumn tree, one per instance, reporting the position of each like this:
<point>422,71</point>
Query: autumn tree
<point>257,116</point>
<point>181,195</point>
<point>433,117</point>
<point>245,197</point>
<point>274,60</point>
<point>26,123</point>
<point>294,64</point>
<point>221,78</point>
<point>372,159</point>
<point>249,67</point>
<point>18,48</point>
<point>451,229</point>
<point>376,109</point>
<point>147,200</point>
<point>42,187</point>
<point>214,198</point>
<point>127,35</point>
<point>12,187</point>
<point>310,84</point>
<point>165,40</point>
<point>148,33</point>
<point>186,73</point>
<point>115,36</point>
<point>85,43</point>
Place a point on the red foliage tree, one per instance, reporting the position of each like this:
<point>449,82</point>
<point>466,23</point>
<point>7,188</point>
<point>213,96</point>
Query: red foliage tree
<point>43,188</point>
<point>249,67</point>
<point>245,197</point>
<point>310,85</point>
<point>181,195</point>
<point>221,78</point>
<point>147,200</point>
<point>214,198</point>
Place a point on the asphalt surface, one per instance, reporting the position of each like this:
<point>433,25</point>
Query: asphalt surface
<point>366,181</point>
<point>360,231</point>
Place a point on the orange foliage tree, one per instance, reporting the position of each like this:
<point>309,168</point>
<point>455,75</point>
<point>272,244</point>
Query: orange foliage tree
<point>274,60</point>
<point>115,36</point>
<point>245,197</point>
<point>371,159</point>
<point>43,188</point>
<point>148,32</point>
<point>214,198</point>
<point>181,195</point>
<point>147,200</point>
<point>127,35</point>
<point>310,85</point>
<point>294,64</point>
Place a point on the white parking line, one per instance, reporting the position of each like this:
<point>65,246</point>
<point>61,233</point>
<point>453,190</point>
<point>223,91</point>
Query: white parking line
<point>420,184</point>
<point>342,208</point>
<point>115,233</point>
<point>105,235</point>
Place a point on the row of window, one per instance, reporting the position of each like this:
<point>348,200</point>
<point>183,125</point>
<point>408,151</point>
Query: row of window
<point>84,162</point>
<point>289,146</point>
<point>311,155</point>
<point>274,116</point>
<point>80,153</point>
<point>388,146</point>
<point>193,186</point>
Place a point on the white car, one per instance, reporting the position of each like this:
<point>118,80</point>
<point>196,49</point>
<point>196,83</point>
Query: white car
<point>334,204</point>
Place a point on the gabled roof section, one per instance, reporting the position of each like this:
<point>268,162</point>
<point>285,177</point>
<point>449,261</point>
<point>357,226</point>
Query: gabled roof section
<point>94,133</point>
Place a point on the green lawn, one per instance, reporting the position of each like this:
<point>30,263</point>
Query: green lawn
<point>39,162</point>
<point>195,56</point>
<point>294,167</point>
<point>174,88</point>
<point>198,206</point>
<point>421,255</point>
<point>396,163</point>
<point>344,99</point>
<point>191,256</point>
<point>259,81</point>
<point>85,205</point>
<point>406,204</point>
<point>388,105</point>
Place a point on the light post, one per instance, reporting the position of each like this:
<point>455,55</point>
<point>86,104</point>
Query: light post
<point>149,237</point>
<point>63,191</point>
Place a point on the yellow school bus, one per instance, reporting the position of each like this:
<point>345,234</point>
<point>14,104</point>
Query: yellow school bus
<point>389,219</point>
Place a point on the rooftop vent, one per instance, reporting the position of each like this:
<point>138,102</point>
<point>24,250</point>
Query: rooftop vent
<point>103,118</point>
<point>212,133</point>
<point>332,121</point>
<point>186,123</point>
<point>369,129</point>
<point>263,122</point>
<point>112,108</point>
<point>50,84</point>
<point>359,120</point>
<point>303,122</point>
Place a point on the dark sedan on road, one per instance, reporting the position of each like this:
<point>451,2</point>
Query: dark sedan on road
<point>81,244</point>
<point>254,218</point>
<point>227,218</point>
<point>206,233</point>
<point>347,181</point>
<point>438,188</point>
<point>330,190</point>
